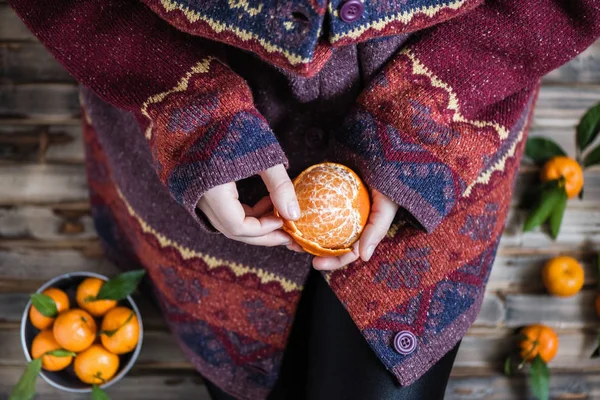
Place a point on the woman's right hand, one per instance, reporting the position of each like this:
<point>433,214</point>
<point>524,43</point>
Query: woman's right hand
<point>254,225</point>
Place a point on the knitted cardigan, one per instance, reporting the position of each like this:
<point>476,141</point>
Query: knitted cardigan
<point>440,129</point>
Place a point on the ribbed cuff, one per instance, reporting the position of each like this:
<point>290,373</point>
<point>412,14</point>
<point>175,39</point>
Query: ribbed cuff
<point>247,148</point>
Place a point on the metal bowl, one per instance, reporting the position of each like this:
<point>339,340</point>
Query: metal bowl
<point>66,379</point>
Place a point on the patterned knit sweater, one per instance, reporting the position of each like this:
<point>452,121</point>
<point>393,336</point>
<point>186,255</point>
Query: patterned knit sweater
<point>428,100</point>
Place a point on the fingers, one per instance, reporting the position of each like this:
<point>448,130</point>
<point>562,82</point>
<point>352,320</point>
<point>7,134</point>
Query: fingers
<point>226,213</point>
<point>282,192</point>
<point>274,238</point>
<point>382,215</point>
<point>331,263</point>
<point>295,247</point>
<point>261,208</point>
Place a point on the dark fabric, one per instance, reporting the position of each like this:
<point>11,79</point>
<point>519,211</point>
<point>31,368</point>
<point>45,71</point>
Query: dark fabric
<point>327,358</point>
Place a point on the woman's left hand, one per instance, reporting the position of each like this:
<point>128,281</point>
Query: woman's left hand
<point>383,211</point>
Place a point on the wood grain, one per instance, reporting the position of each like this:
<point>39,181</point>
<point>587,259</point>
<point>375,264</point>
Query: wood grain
<point>11,27</point>
<point>43,143</point>
<point>29,62</point>
<point>41,223</point>
<point>55,101</point>
<point>42,184</point>
<point>563,387</point>
<point>138,385</point>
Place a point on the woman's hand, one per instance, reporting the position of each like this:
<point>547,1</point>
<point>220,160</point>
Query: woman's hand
<point>254,225</point>
<point>383,211</point>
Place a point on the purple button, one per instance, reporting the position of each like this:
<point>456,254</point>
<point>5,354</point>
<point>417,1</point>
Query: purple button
<point>352,10</point>
<point>405,342</point>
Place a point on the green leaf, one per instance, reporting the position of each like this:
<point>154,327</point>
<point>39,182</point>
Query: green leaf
<point>25,388</point>
<point>99,394</point>
<point>588,128</point>
<point>539,378</point>
<point>542,211</point>
<point>596,352</point>
<point>120,287</point>
<point>557,213</point>
<point>60,353</point>
<point>44,304</point>
<point>598,268</point>
<point>112,332</point>
<point>592,158</point>
<point>540,149</point>
<point>508,366</point>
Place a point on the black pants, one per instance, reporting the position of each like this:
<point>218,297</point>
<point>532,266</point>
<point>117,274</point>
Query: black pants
<point>327,358</point>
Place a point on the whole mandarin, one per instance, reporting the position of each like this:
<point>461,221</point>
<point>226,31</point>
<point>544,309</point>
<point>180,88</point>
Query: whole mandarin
<point>43,343</point>
<point>62,303</point>
<point>563,276</point>
<point>125,328</point>
<point>74,330</point>
<point>96,365</point>
<point>538,340</point>
<point>564,167</point>
<point>87,291</point>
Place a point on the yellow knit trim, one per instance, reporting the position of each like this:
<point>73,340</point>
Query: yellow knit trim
<point>453,104</point>
<point>485,176</point>
<point>193,16</point>
<point>404,17</point>
<point>212,262</point>
<point>201,67</point>
<point>243,4</point>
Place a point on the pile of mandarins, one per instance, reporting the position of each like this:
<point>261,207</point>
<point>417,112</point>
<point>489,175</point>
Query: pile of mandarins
<point>93,335</point>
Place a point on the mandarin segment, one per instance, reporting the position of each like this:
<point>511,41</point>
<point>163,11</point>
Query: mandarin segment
<point>334,205</point>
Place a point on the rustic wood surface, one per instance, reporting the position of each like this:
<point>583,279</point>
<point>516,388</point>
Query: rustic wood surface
<point>46,230</point>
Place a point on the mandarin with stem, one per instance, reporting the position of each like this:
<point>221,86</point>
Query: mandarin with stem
<point>86,294</point>
<point>62,303</point>
<point>120,330</point>
<point>75,330</point>
<point>43,343</point>
<point>96,365</point>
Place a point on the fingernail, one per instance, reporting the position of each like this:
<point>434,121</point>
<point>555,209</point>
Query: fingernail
<point>294,211</point>
<point>370,251</point>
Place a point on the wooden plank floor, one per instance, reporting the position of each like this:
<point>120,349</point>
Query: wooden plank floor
<point>46,229</point>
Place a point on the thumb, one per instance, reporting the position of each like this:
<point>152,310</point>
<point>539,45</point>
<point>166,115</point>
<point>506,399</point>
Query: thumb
<point>282,192</point>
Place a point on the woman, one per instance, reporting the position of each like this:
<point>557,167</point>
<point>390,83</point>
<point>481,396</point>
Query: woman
<point>186,102</point>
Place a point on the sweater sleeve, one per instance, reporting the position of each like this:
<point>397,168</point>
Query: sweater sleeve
<point>436,121</point>
<point>197,115</point>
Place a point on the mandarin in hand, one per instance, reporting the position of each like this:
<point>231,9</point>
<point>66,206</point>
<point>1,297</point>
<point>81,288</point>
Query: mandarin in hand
<point>62,303</point>
<point>564,167</point>
<point>120,330</point>
<point>334,205</point>
<point>74,330</point>
<point>563,276</point>
<point>42,344</point>
<point>96,365</point>
<point>538,340</point>
<point>87,291</point>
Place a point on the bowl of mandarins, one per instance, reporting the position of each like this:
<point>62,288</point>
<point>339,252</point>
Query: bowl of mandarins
<point>81,332</point>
